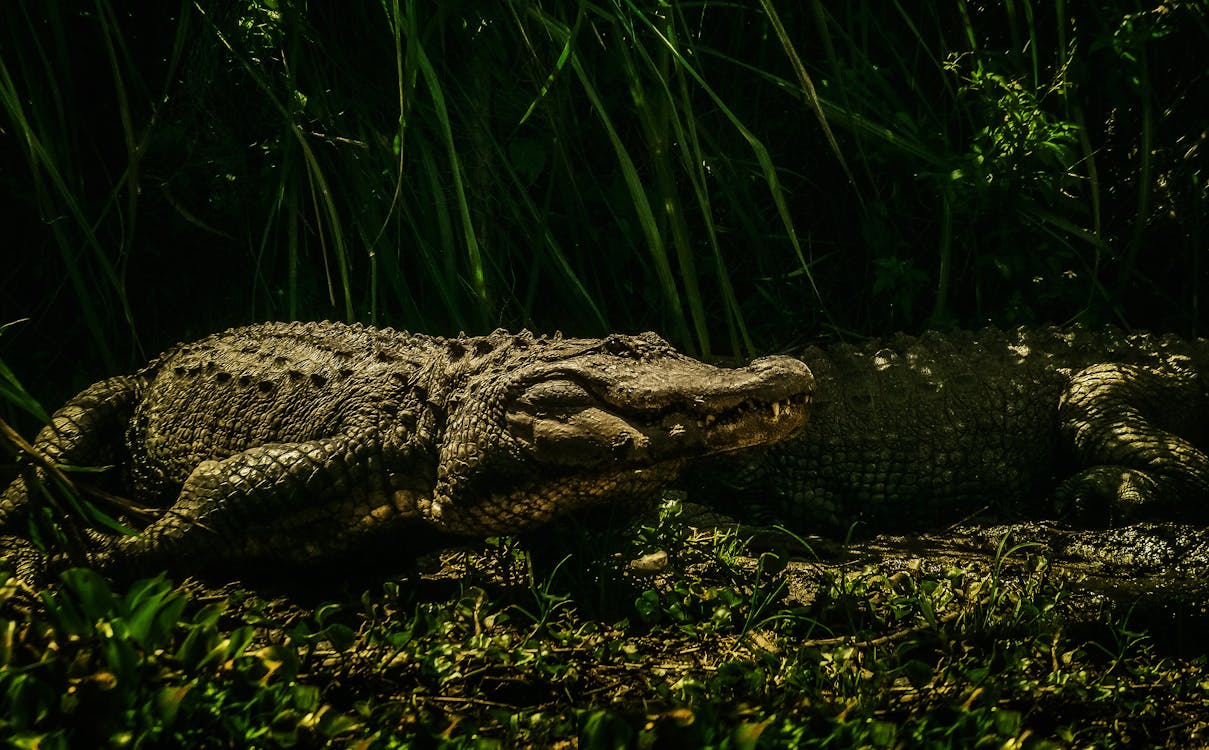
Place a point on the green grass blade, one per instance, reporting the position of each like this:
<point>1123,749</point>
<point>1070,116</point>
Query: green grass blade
<point>762,157</point>
<point>657,114</point>
<point>537,218</point>
<point>326,212</point>
<point>642,205</point>
<point>478,279</point>
<point>41,162</point>
<point>812,96</point>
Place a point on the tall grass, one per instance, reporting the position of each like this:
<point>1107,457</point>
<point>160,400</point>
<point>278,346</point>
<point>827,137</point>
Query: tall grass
<point>737,176</point>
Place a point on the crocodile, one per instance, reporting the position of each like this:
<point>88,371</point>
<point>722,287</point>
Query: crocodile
<point>1090,426</point>
<point>297,444</point>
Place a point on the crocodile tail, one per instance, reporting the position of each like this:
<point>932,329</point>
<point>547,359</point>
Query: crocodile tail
<point>88,431</point>
<point>1137,432</point>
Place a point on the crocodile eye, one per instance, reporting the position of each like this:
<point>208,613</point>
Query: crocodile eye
<point>618,344</point>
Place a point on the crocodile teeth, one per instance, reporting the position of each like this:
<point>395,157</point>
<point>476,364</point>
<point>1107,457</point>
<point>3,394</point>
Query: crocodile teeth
<point>776,410</point>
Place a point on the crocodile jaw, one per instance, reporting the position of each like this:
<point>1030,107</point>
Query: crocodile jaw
<point>596,433</point>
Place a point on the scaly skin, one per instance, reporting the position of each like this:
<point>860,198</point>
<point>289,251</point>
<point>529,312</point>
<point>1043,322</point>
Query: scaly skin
<point>911,432</point>
<point>296,443</point>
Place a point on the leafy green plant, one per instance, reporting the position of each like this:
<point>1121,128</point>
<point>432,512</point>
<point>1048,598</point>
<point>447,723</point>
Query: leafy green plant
<point>130,669</point>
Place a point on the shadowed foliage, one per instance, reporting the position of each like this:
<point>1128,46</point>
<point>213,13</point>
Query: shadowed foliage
<point>734,176</point>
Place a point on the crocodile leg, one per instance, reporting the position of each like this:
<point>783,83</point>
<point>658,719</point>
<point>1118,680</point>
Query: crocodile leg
<point>339,486</point>
<point>1130,428</point>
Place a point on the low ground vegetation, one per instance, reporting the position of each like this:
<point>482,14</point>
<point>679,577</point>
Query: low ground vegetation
<point>656,636</point>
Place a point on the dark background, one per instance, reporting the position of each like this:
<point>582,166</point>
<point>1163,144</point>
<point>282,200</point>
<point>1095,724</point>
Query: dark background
<point>171,170</point>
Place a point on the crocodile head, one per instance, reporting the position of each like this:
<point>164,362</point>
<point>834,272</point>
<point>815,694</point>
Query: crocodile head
<point>559,424</point>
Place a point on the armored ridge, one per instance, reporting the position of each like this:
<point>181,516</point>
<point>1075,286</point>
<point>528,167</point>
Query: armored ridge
<point>909,432</point>
<point>292,443</point>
